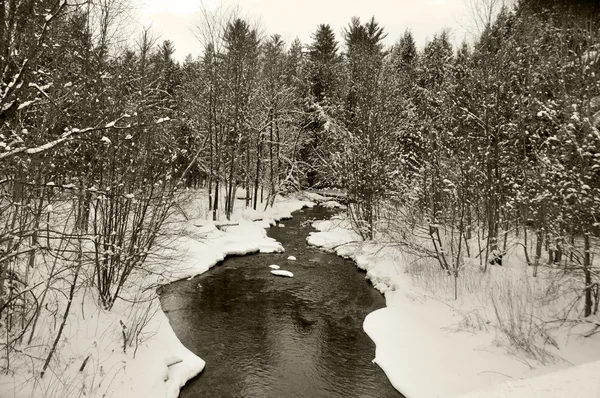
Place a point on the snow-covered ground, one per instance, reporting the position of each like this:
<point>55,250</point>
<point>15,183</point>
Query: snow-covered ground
<point>578,381</point>
<point>90,359</point>
<point>431,346</point>
<point>428,347</point>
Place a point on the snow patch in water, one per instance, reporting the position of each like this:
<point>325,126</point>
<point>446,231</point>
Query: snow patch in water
<point>282,273</point>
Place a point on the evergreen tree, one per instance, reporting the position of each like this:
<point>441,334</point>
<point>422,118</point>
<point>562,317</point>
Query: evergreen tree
<point>324,64</point>
<point>241,63</point>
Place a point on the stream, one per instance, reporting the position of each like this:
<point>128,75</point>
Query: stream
<point>267,336</point>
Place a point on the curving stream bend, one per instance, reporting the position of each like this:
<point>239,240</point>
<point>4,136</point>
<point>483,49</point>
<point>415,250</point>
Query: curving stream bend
<point>268,336</point>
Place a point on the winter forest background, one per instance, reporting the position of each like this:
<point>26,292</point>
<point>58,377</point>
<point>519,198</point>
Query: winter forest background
<point>458,155</point>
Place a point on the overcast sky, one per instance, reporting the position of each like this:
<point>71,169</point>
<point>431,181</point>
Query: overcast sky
<point>175,19</point>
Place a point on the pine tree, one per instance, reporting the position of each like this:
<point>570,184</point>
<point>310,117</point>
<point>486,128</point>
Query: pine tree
<point>241,63</point>
<point>324,64</point>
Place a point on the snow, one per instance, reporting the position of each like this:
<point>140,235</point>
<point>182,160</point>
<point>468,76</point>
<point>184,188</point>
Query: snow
<point>334,233</point>
<point>282,273</point>
<point>96,334</point>
<point>579,381</point>
<point>208,245</point>
<point>25,104</point>
<point>431,346</point>
<point>411,345</point>
<point>590,56</point>
<point>332,204</point>
<point>160,365</point>
<point>419,337</point>
<point>322,198</point>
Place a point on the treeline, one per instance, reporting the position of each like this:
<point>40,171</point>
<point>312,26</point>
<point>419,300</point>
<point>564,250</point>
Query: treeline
<point>243,106</point>
<point>478,148</point>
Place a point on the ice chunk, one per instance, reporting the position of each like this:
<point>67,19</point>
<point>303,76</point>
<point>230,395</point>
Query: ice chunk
<point>282,273</point>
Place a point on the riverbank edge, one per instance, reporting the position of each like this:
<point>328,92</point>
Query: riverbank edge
<point>418,345</point>
<point>235,242</point>
<point>92,358</point>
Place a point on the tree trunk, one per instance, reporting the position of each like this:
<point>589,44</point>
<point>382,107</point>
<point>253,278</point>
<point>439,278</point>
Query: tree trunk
<point>247,175</point>
<point>271,176</point>
<point>538,250</point>
<point>67,309</point>
<point>211,150</point>
<point>257,171</point>
<point>587,274</point>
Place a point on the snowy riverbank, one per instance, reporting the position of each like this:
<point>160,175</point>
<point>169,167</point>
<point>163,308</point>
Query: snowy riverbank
<point>427,349</point>
<point>91,358</point>
<point>419,337</point>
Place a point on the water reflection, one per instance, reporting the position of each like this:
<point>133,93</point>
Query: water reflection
<point>267,336</point>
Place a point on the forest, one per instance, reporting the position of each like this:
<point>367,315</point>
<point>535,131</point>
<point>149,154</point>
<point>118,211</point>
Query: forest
<point>456,154</point>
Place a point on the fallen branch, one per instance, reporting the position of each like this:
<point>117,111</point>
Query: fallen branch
<point>592,332</point>
<point>174,362</point>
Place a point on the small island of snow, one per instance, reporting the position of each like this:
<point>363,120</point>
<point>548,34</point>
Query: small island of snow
<point>282,273</point>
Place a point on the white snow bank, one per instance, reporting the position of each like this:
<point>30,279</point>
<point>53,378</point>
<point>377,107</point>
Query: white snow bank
<point>282,273</point>
<point>291,258</point>
<point>421,343</point>
<point>334,234</point>
<point>412,349</point>
<point>324,195</point>
<point>332,204</point>
<point>160,368</point>
<point>160,365</point>
<point>579,381</point>
<point>283,209</point>
<point>315,197</point>
<point>208,246</point>
<point>274,266</point>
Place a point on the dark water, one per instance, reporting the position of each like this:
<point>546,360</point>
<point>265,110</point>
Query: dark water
<point>268,336</point>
